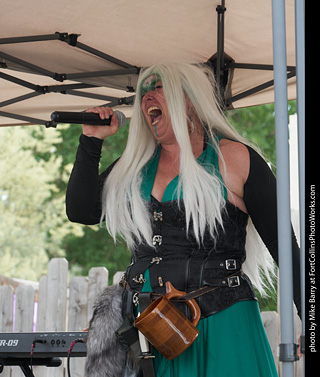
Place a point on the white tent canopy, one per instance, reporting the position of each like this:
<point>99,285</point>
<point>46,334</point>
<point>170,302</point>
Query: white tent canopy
<point>104,43</point>
<point>75,54</point>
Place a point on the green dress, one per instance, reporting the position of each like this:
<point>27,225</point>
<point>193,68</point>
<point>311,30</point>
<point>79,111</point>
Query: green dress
<point>232,342</point>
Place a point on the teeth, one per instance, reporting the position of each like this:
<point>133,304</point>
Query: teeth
<point>151,109</point>
<point>154,112</point>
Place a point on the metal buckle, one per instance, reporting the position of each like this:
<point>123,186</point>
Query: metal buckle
<point>140,279</point>
<point>157,239</point>
<point>233,281</point>
<point>157,216</point>
<point>135,299</point>
<point>231,264</point>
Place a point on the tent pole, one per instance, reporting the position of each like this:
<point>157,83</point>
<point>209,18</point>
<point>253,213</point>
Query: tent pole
<point>115,72</point>
<point>220,42</point>
<point>90,95</point>
<point>31,38</point>
<point>287,346</point>
<point>254,90</point>
<point>263,67</point>
<point>24,118</point>
<point>18,81</point>
<point>19,99</point>
<point>34,68</point>
<point>102,55</point>
<point>300,61</point>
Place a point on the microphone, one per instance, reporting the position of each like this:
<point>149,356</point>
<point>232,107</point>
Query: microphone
<point>85,118</point>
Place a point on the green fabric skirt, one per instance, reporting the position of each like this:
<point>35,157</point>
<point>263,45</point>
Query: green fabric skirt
<point>231,343</point>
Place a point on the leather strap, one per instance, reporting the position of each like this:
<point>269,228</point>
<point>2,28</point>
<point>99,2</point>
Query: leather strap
<point>194,294</point>
<point>145,299</point>
<point>147,365</point>
<point>209,287</point>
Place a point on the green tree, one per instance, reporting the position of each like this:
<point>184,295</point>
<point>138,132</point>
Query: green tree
<point>95,247</point>
<point>257,124</point>
<point>32,220</point>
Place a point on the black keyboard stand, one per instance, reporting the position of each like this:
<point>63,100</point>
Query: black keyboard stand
<point>24,363</point>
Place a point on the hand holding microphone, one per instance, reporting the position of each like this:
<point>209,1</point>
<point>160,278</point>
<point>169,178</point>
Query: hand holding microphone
<point>91,119</point>
<point>102,132</point>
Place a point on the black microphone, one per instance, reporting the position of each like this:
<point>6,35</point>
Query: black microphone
<point>85,118</point>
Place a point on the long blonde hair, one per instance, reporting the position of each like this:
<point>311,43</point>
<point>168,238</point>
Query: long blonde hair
<point>124,209</point>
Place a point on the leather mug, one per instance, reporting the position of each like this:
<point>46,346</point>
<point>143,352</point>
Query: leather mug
<point>166,328</point>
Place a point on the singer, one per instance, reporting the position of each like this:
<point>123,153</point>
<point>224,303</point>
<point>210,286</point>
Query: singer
<point>191,197</point>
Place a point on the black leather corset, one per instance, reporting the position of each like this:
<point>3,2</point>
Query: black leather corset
<point>179,259</point>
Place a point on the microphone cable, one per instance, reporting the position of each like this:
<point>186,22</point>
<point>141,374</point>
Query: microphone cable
<point>33,345</point>
<point>79,340</point>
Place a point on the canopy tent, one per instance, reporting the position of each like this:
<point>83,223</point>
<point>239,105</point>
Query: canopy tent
<point>72,55</point>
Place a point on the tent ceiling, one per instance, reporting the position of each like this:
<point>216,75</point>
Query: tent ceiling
<point>135,33</point>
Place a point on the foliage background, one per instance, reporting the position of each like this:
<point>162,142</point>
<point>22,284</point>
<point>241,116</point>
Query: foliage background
<point>34,170</point>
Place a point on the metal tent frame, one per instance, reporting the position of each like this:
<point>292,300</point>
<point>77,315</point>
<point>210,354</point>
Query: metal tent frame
<point>222,65</point>
<point>71,89</point>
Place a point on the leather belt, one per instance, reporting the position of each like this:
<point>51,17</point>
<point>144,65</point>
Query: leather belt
<point>232,281</point>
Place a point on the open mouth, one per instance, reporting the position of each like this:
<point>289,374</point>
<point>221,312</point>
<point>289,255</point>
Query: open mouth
<point>155,114</point>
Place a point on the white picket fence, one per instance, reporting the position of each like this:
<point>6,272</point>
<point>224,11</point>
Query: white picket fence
<point>55,304</point>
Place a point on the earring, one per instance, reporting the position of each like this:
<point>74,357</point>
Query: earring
<point>190,124</point>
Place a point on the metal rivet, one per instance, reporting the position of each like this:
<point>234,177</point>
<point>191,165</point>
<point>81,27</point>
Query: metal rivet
<point>156,260</point>
<point>160,281</point>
